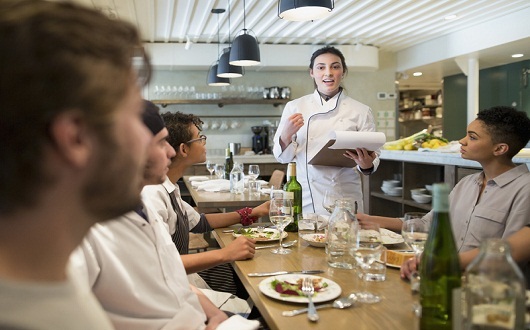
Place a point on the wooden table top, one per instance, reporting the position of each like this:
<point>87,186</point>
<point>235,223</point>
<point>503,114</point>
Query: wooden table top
<point>393,312</point>
<point>205,199</point>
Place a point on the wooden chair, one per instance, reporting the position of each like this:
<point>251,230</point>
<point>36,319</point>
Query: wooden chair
<point>276,179</point>
<point>198,243</point>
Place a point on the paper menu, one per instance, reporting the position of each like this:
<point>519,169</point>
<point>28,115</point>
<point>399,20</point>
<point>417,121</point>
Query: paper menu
<point>331,154</point>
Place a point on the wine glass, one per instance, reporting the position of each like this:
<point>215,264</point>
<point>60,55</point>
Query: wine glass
<point>210,166</point>
<point>220,171</point>
<point>366,247</point>
<point>330,197</point>
<point>253,172</point>
<point>415,233</point>
<point>281,214</point>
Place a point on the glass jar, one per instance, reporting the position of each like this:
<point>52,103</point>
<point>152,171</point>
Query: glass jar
<point>337,242</point>
<point>494,289</point>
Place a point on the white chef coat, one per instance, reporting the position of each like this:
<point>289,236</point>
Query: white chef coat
<point>137,275</point>
<point>340,113</point>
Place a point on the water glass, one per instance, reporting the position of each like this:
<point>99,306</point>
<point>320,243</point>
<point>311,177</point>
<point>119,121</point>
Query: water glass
<point>376,272</point>
<point>253,172</point>
<point>307,223</point>
<point>220,171</point>
<point>254,188</point>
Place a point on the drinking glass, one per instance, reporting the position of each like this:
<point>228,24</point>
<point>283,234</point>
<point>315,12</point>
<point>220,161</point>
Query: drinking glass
<point>210,166</point>
<point>330,197</point>
<point>366,247</point>
<point>220,171</point>
<point>415,233</point>
<point>281,214</point>
<point>253,172</point>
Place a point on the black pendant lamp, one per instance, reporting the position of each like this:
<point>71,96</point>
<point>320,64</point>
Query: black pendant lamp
<point>213,79</point>
<point>225,69</point>
<point>245,49</point>
<point>304,10</point>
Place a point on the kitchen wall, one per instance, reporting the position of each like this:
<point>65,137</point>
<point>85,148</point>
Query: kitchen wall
<point>362,86</point>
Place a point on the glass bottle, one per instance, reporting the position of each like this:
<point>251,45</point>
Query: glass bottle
<point>494,289</point>
<point>229,163</point>
<point>440,274</point>
<point>337,243</point>
<point>294,192</point>
<point>237,185</point>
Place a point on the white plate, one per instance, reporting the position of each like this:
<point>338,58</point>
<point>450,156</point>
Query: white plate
<point>312,239</point>
<point>268,234</point>
<point>389,237</point>
<point>331,292</point>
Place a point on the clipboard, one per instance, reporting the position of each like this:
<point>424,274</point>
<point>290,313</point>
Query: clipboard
<point>332,153</point>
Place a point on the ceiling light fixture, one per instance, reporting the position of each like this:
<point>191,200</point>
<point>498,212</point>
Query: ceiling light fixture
<point>245,49</point>
<point>225,69</point>
<point>304,10</point>
<point>417,74</point>
<point>517,55</point>
<point>213,79</point>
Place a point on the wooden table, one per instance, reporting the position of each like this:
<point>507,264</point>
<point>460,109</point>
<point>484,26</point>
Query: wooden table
<point>394,312</point>
<point>224,200</point>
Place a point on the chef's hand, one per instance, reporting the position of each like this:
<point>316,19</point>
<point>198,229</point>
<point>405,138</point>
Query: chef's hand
<point>293,124</point>
<point>362,157</point>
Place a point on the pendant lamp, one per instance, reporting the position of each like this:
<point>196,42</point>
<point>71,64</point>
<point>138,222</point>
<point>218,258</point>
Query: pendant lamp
<point>304,10</point>
<point>225,69</point>
<point>245,49</point>
<point>213,79</point>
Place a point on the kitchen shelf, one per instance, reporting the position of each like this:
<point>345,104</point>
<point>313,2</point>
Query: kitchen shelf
<point>222,102</point>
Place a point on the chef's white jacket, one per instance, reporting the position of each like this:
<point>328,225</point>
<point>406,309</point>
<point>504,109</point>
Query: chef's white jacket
<point>340,113</point>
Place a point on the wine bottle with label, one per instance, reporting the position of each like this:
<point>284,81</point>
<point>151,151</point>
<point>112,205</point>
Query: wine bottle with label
<point>229,163</point>
<point>440,273</point>
<point>293,190</point>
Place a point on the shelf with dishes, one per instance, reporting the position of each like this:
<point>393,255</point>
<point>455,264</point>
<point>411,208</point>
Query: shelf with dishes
<point>222,102</point>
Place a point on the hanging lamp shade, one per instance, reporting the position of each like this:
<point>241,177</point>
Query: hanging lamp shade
<point>225,69</point>
<point>245,50</point>
<point>304,10</point>
<point>214,80</point>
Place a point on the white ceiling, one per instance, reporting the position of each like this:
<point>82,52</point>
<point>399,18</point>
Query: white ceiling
<point>391,25</point>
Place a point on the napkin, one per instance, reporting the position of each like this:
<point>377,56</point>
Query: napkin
<point>198,178</point>
<point>212,185</point>
<point>238,322</point>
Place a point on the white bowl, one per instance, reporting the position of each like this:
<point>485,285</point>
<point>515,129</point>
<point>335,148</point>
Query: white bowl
<point>428,187</point>
<point>394,191</point>
<point>422,198</point>
<point>391,183</point>
<point>419,191</point>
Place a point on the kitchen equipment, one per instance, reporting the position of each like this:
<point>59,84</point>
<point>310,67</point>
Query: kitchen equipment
<point>235,148</point>
<point>258,142</point>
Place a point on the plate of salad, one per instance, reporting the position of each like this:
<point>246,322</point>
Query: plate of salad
<point>289,288</point>
<point>260,235</point>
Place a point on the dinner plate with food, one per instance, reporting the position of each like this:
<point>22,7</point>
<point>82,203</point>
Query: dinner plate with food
<point>260,234</point>
<point>289,288</point>
<point>390,237</point>
<point>317,240</point>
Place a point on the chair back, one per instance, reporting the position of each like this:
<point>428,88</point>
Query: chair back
<point>276,179</point>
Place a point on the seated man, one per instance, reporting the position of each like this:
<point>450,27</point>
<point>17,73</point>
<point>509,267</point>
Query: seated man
<point>492,203</point>
<point>190,146</point>
<point>133,267</point>
<point>73,147</point>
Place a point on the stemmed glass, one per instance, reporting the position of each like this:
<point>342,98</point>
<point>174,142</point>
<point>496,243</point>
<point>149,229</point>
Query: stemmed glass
<point>415,233</point>
<point>220,170</point>
<point>210,166</point>
<point>330,197</point>
<point>253,172</point>
<point>281,214</point>
<point>366,247</point>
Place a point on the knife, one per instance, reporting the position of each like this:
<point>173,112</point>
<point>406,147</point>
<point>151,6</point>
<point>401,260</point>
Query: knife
<point>286,272</point>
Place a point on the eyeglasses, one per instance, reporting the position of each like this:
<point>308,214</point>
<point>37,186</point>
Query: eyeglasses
<point>202,138</point>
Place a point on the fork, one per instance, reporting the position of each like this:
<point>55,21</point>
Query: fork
<point>309,290</point>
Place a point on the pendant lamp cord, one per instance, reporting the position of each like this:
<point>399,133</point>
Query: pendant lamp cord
<point>228,23</point>
<point>218,38</point>
<point>244,16</point>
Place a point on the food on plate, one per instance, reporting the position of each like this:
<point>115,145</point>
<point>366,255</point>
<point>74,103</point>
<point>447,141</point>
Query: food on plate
<point>286,288</point>
<point>317,238</point>
<point>397,257</point>
<point>259,235</point>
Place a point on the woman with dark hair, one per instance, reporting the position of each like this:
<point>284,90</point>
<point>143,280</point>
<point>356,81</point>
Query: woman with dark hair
<point>305,126</point>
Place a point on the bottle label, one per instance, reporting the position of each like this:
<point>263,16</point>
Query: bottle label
<point>288,195</point>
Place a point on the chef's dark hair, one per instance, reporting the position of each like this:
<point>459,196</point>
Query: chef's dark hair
<point>330,50</point>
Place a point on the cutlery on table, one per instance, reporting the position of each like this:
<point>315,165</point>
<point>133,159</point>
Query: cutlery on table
<point>285,245</point>
<point>309,290</point>
<point>286,272</point>
<point>340,303</point>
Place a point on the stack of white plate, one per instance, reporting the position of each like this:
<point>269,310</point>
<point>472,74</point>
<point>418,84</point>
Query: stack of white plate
<point>392,187</point>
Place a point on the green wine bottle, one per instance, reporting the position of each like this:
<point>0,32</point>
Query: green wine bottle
<point>294,191</point>
<point>440,273</point>
<point>229,163</point>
